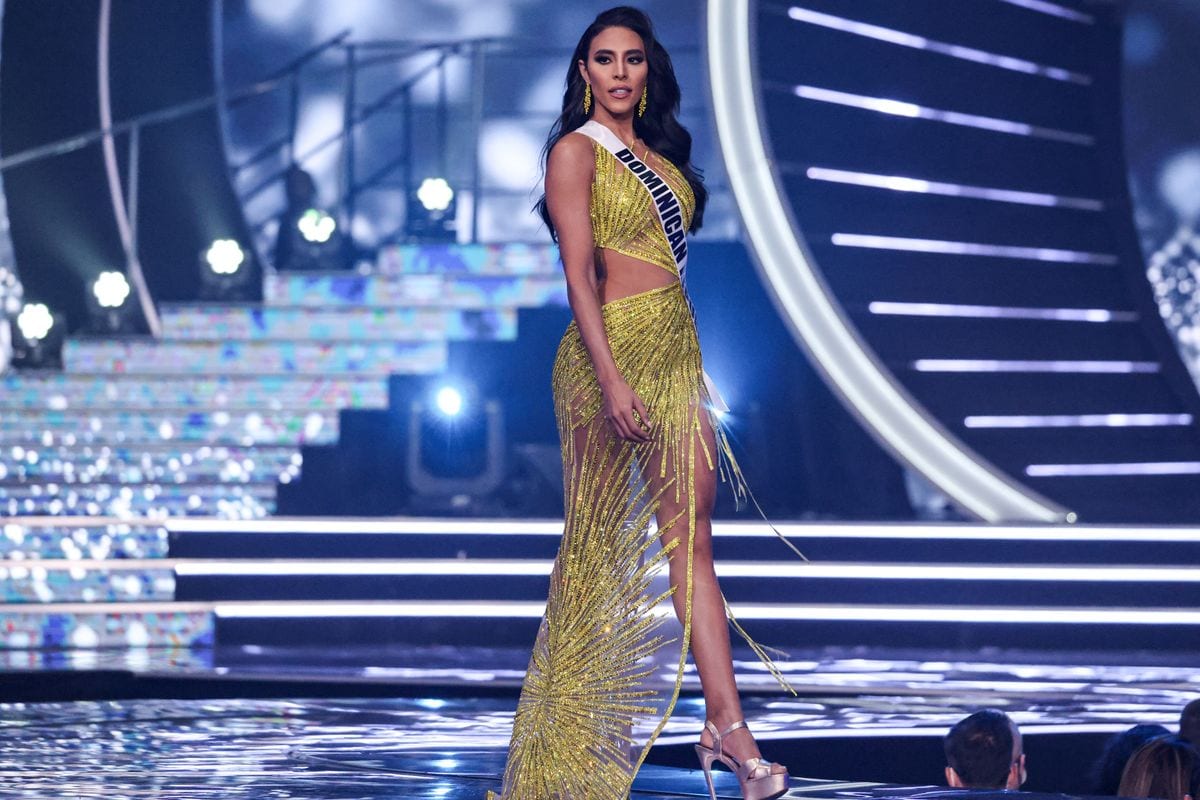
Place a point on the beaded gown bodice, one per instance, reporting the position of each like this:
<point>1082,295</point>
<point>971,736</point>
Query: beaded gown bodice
<point>623,217</point>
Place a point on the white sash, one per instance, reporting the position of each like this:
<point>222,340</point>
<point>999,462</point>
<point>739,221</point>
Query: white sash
<point>669,213</point>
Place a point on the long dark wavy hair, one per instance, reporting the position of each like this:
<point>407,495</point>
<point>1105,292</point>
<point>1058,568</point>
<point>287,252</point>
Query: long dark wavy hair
<point>658,128</point>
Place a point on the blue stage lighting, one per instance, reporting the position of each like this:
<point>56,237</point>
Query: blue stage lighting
<point>435,194</point>
<point>432,212</point>
<point>224,256</point>
<point>224,272</point>
<point>37,337</point>
<point>455,456</point>
<point>449,401</point>
<point>35,322</point>
<point>109,308</point>
<point>110,289</point>
<point>316,226</point>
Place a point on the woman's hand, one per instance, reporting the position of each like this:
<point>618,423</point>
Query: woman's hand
<point>625,412</point>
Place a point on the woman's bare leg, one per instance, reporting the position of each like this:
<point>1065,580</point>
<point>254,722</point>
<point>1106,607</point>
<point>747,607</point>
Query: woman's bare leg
<point>710,625</point>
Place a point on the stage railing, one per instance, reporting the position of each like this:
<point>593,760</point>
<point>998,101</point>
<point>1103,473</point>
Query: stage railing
<point>437,131</point>
<point>437,59</point>
<point>133,127</point>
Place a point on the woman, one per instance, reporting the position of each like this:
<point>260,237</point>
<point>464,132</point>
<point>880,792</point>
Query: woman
<point>1167,767</point>
<point>1106,774</point>
<point>639,439</point>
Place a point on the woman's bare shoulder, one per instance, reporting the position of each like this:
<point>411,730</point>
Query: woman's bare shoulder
<point>573,151</point>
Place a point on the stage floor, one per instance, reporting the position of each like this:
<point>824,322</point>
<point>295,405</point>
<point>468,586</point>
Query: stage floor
<point>443,731</point>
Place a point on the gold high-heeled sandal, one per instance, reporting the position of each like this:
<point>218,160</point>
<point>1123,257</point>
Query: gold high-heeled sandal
<point>754,775</point>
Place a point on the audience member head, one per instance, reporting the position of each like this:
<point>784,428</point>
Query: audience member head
<point>1106,775</point>
<point>1167,767</point>
<point>983,751</point>
<point>1189,723</point>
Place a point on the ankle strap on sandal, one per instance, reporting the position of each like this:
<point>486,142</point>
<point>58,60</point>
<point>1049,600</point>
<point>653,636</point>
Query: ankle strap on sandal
<point>741,723</point>
<point>718,736</point>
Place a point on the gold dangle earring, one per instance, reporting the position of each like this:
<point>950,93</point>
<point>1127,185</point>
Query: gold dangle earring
<point>587,98</point>
<point>642,102</point>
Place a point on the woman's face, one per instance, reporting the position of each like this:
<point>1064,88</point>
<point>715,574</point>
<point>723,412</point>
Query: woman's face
<point>616,68</point>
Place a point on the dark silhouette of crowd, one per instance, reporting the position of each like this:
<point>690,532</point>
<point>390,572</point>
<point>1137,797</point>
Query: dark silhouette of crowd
<point>985,751</point>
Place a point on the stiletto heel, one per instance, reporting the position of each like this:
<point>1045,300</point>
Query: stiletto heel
<point>706,758</point>
<point>754,775</point>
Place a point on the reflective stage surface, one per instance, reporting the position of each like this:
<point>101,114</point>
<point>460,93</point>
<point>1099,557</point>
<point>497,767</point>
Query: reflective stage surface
<point>445,736</point>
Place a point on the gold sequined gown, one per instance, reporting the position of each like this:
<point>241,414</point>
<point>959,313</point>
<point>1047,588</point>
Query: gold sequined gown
<point>610,652</point>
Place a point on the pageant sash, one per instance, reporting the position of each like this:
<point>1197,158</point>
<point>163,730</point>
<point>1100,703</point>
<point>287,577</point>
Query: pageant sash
<point>666,204</point>
<point>670,217</point>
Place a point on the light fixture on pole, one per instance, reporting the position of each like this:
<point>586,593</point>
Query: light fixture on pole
<point>223,271</point>
<point>109,305</point>
<point>432,212</point>
<point>316,226</point>
<point>37,335</point>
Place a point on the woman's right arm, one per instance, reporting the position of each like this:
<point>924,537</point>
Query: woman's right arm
<point>569,172</point>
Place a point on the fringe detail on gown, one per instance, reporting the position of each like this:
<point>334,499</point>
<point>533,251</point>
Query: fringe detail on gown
<point>609,657</point>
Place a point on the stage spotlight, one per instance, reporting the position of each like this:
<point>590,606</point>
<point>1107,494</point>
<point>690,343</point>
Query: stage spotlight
<point>316,226</point>
<point>108,304</point>
<point>224,256</point>
<point>432,212</point>
<point>37,337</point>
<point>455,460</point>
<point>35,322</point>
<point>435,194</point>
<point>449,401</point>
<point>223,272</point>
<point>308,237</point>
<point>110,289</point>
<point>310,240</point>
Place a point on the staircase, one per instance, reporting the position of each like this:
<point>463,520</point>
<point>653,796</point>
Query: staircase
<point>209,421</point>
<point>294,582</point>
<point>210,418</point>
<point>358,584</point>
<point>138,481</point>
<point>92,583</point>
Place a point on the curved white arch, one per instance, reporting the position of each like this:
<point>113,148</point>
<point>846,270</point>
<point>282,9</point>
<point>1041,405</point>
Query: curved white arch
<point>811,311</point>
<point>12,293</point>
<point>133,263</point>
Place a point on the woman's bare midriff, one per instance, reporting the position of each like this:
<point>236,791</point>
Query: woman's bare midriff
<point>619,275</point>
